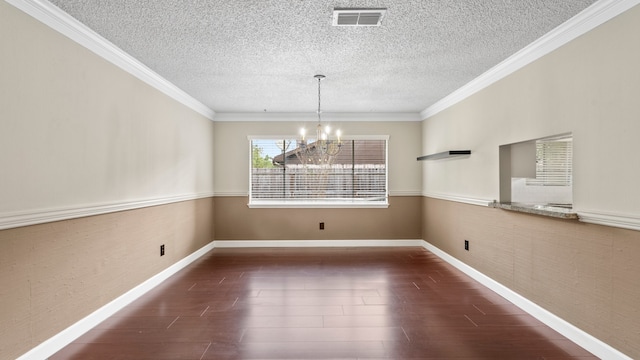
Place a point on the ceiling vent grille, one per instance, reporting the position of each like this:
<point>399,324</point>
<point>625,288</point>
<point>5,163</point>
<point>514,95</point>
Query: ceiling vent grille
<point>358,17</point>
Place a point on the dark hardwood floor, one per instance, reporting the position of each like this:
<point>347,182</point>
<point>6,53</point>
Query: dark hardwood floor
<point>321,303</point>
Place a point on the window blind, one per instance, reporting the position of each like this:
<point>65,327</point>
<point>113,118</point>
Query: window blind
<point>554,158</point>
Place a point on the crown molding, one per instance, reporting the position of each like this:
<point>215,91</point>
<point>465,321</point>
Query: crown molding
<point>587,20</point>
<point>68,26</point>
<point>326,116</point>
<point>41,216</point>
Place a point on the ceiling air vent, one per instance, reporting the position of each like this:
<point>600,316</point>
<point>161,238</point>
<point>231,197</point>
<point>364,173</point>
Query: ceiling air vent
<point>358,17</point>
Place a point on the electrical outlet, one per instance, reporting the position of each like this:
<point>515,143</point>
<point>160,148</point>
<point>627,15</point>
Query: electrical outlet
<point>162,250</point>
<point>466,245</point>
<point>322,226</point>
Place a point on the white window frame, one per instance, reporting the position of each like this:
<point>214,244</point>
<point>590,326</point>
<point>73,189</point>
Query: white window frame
<point>310,203</point>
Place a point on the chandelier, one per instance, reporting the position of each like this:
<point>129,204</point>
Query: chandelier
<point>325,147</point>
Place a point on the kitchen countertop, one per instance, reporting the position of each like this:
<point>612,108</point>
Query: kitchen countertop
<point>544,210</point>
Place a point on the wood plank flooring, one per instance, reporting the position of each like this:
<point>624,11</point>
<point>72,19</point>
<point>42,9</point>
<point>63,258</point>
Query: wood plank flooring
<point>321,303</point>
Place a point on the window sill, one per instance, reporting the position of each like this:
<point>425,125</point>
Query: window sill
<point>353,204</point>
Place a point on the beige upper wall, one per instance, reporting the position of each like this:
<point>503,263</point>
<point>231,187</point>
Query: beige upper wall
<point>75,130</point>
<point>589,87</point>
<point>232,151</point>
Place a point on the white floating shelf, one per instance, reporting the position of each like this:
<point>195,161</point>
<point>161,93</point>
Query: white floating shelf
<point>445,154</point>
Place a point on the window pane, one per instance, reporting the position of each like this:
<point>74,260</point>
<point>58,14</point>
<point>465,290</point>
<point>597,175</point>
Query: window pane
<point>267,179</point>
<point>370,168</point>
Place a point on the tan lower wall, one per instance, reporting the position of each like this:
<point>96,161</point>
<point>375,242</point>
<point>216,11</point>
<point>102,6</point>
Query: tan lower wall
<point>586,274</point>
<point>236,221</point>
<point>54,274</point>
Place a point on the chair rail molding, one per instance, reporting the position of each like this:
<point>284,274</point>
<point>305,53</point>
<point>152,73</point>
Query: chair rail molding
<point>630,222</point>
<point>10,220</point>
<point>461,199</point>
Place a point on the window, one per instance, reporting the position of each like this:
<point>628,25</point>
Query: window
<point>538,171</point>
<point>281,175</point>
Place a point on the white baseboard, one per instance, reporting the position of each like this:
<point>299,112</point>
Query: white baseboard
<point>65,337</point>
<point>68,335</point>
<point>571,332</point>
<point>313,243</point>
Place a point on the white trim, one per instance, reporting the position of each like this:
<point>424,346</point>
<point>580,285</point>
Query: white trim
<point>40,216</point>
<point>337,204</point>
<point>68,26</point>
<point>620,221</point>
<point>391,193</point>
<point>315,243</point>
<point>313,117</point>
<point>587,20</point>
<point>460,199</point>
<point>293,137</point>
<point>68,335</point>
<point>631,222</point>
<point>65,337</point>
<point>578,336</point>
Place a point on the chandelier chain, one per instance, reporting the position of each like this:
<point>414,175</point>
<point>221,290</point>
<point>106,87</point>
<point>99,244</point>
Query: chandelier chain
<point>319,80</point>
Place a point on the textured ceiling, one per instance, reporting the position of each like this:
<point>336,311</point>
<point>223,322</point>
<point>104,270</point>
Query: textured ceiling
<point>261,55</point>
